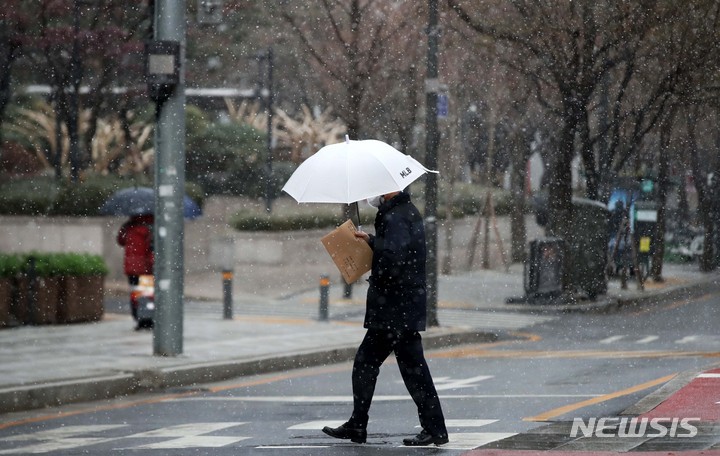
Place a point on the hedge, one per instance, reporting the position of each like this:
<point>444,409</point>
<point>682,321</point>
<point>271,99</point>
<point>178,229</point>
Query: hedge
<point>46,196</point>
<point>53,264</point>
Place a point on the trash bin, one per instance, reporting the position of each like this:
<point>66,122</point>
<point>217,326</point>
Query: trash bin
<point>543,269</point>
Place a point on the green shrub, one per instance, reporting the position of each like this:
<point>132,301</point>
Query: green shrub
<point>45,264</point>
<point>227,159</point>
<point>33,196</point>
<point>47,196</point>
<point>84,199</point>
<point>11,264</point>
<point>77,264</point>
<point>469,200</point>
<point>252,221</point>
<point>60,264</point>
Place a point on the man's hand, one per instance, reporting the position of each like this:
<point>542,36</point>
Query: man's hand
<point>363,235</point>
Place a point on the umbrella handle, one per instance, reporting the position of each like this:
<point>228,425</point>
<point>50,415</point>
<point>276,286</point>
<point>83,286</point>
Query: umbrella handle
<point>357,210</point>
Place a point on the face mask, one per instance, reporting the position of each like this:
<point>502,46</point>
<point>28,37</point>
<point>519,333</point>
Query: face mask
<point>375,201</point>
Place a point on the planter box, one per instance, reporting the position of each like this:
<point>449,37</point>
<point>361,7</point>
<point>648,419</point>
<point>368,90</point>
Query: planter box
<point>6,293</point>
<point>47,294</point>
<point>81,299</point>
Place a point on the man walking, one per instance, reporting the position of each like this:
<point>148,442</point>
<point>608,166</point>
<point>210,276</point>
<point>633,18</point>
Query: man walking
<point>394,316</point>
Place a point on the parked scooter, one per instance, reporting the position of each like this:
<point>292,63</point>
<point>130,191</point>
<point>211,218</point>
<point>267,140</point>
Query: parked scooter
<point>142,301</point>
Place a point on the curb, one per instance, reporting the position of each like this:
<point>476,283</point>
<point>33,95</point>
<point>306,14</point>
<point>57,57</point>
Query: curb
<point>660,395</point>
<point>52,394</point>
<point>612,304</point>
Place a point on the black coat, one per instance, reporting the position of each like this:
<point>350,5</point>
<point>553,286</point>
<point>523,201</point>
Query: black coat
<point>396,298</point>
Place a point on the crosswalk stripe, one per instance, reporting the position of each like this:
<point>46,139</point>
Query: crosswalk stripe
<point>471,440</point>
<point>315,425</point>
<point>461,383</point>
<point>654,337</point>
<point>192,441</point>
<point>467,423</point>
<point>687,339</point>
<point>611,339</point>
<point>196,435</point>
<point>182,430</point>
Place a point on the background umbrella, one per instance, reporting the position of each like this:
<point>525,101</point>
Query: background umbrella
<point>141,200</point>
<point>352,171</point>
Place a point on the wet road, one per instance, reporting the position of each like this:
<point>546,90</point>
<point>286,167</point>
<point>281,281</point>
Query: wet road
<point>576,366</point>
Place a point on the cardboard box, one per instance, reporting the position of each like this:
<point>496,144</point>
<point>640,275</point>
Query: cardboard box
<point>351,255</point>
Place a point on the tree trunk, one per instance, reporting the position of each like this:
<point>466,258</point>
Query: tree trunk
<point>663,185</point>
<point>8,58</point>
<point>518,231</point>
<point>706,259</point>
<point>560,213</point>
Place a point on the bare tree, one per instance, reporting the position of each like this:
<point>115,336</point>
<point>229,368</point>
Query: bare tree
<point>577,53</point>
<point>74,44</point>
<point>13,21</point>
<point>348,42</point>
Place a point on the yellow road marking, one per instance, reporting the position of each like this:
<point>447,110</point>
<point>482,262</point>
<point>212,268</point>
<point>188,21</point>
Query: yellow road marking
<point>461,351</point>
<point>596,400</point>
<point>275,320</point>
<point>102,408</point>
<point>279,377</point>
<point>483,352</point>
<point>672,305</point>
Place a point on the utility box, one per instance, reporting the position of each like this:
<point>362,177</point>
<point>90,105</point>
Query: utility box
<point>587,246</point>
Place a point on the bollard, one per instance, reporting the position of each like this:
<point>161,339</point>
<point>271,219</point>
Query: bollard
<point>227,276</point>
<point>324,292</point>
<point>32,297</point>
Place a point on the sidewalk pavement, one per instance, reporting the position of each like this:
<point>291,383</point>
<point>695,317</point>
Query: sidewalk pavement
<point>53,365</point>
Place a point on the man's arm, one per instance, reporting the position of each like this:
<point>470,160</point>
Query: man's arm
<point>392,252</point>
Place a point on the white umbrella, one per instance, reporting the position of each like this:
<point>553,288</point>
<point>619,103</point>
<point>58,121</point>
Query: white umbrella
<point>352,171</point>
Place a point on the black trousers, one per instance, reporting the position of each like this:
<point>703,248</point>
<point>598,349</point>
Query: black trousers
<point>407,346</point>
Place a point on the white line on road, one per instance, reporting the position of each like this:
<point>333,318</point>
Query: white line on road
<point>182,430</point>
<point>467,423</point>
<point>314,425</point>
<point>381,398</point>
<point>460,383</point>
<point>470,440</point>
<point>611,339</point>
<point>192,441</point>
<point>687,339</point>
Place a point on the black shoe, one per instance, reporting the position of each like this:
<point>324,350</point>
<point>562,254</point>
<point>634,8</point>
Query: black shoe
<point>347,431</point>
<point>424,438</point>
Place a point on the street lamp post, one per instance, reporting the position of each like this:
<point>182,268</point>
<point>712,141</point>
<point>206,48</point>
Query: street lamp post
<point>74,108</point>
<point>269,95</point>
<point>166,81</point>
<point>432,87</point>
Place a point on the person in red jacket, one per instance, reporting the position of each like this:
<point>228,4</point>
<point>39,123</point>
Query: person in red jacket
<point>136,236</point>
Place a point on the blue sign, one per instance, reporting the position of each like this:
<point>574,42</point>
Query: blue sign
<point>442,105</point>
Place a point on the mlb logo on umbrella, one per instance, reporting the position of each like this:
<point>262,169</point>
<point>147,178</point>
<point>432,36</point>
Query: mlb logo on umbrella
<point>405,173</point>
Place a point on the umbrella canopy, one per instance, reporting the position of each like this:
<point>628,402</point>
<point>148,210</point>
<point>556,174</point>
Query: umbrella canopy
<point>141,200</point>
<point>353,171</point>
